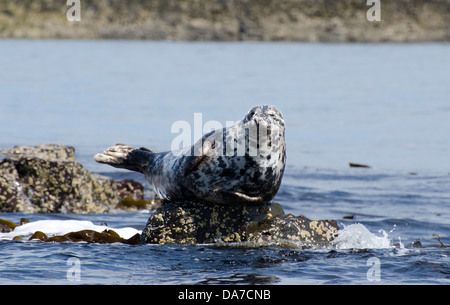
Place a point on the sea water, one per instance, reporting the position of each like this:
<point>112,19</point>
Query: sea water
<point>382,105</point>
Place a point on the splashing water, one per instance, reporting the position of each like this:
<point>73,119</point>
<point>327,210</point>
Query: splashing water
<point>357,236</point>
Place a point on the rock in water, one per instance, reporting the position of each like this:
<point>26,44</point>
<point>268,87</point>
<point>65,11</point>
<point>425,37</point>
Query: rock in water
<point>197,223</point>
<point>47,179</point>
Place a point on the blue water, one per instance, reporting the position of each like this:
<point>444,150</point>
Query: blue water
<point>386,105</point>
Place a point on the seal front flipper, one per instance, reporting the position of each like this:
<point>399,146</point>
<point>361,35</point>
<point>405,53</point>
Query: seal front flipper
<point>124,156</point>
<point>194,162</point>
<point>238,197</point>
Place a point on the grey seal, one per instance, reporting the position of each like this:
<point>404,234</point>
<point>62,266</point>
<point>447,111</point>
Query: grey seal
<point>240,164</point>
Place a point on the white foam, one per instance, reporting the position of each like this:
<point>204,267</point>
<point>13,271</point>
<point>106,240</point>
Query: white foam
<point>61,227</point>
<point>357,236</point>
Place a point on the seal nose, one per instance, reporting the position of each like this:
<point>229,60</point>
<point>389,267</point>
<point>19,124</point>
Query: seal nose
<point>264,113</point>
<point>258,111</point>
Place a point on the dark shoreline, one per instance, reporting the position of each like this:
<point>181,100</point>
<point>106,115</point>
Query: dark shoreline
<point>232,20</point>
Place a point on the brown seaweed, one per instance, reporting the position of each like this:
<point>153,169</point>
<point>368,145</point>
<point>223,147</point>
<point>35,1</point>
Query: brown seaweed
<point>90,236</point>
<point>6,226</point>
<point>439,240</point>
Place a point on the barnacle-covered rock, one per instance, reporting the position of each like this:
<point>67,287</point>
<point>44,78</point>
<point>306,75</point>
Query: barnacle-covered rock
<point>12,197</point>
<point>47,179</point>
<point>195,223</point>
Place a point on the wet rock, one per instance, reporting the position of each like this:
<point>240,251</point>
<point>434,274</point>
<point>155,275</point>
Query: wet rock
<point>416,244</point>
<point>195,223</point>
<point>47,179</point>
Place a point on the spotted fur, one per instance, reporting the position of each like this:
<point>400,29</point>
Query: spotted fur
<point>241,164</point>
